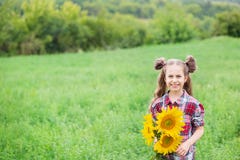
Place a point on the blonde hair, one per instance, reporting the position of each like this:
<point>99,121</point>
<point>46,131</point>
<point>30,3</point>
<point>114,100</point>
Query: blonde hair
<point>189,66</point>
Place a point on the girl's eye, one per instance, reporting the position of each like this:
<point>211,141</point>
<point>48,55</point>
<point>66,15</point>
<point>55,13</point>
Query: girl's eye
<point>170,76</point>
<point>179,76</point>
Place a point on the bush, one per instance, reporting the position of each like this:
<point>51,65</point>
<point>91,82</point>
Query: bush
<point>42,24</point>
<point>74,33</point>
<point>6,15</point>
<point>129,31</point>
<point>228,23</point>
<point>205,27</point>
<point>99,33</point>
<point>32,45</point>
<point>51,29</point>
<point>172,24</point>
<point>118,32</point>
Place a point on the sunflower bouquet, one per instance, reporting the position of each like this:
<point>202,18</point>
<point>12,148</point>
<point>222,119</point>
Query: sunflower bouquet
<point>164,131</point>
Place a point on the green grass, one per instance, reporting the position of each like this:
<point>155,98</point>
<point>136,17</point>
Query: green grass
<point>90,105</point>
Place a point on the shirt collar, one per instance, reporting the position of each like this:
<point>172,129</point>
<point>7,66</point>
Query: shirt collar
<point>179,101</point>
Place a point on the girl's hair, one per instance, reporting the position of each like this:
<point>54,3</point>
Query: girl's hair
<point>189,66</point>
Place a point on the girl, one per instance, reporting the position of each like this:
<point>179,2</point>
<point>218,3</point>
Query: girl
<point>175,89</point>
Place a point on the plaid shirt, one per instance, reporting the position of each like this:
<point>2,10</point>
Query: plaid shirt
<point>193,118</point>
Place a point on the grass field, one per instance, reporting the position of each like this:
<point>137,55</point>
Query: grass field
<point>90,106</point>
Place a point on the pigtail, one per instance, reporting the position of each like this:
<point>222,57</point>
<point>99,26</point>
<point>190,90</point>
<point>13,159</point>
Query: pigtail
<point>159,63</point>
<point>191,64</point>
<point>188,86</point>
<point>161,85</point>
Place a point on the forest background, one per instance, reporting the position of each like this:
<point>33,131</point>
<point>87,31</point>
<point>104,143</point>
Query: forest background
<point>60,26</point>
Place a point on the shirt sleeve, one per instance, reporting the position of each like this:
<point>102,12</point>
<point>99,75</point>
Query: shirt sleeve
<point>198,116</point>
<point>155,108</point>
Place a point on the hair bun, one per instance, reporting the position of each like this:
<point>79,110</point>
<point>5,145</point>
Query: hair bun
<point>191,63</point>
<point>159,63</point>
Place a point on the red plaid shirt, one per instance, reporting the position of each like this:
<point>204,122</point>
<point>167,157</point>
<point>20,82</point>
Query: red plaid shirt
<point>193,118</point>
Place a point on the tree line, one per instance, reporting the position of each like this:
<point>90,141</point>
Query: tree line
<point>48,26</point>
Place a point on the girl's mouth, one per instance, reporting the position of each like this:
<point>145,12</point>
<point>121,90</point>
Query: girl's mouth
<point>175,85</point>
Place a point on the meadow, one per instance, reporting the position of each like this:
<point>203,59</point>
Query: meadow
<point>90,106</point>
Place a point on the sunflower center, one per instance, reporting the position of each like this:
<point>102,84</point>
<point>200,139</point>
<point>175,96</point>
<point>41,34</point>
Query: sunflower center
<point>167,141</point>
<point>168,122</point>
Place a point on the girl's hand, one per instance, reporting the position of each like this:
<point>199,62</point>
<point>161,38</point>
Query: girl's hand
<point>183,149</point>
<point>155,140</point>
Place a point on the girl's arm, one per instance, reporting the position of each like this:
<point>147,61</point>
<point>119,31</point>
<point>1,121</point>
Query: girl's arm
<point>184,147</point>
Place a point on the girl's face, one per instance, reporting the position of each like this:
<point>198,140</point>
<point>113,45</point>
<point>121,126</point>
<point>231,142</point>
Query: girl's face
<point>174,78</point>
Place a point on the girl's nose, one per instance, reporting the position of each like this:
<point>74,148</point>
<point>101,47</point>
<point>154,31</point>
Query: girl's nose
<point>174,79</point>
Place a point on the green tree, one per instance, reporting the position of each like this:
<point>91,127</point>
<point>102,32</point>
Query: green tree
<point>41,20</point>
<point>205,27</point>
<point>129,31</point>
<point>228,23</point>
<point>172,24</point>
<point>74,33</point>
<point>6,14</point>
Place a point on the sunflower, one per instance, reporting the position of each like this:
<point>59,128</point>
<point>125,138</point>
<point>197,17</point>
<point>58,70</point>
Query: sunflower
<point>148,119</point>
<point>148,129</point>
<point>170,121</point>
<point>167,144</point>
